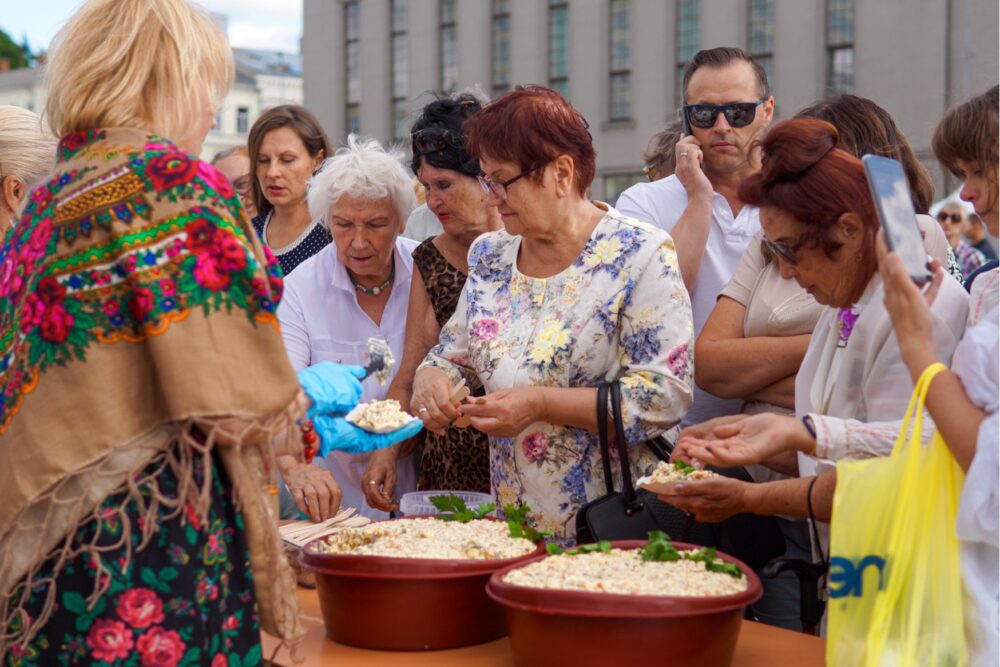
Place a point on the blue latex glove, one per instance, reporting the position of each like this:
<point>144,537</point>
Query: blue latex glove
<point>333,388</point>
<point>337,434</point>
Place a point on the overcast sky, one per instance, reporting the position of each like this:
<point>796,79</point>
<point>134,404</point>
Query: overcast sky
<point>257,24</point>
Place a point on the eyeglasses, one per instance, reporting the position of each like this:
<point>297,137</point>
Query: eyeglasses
<point>433,139</point>
<point>954,217</point>
<point>784,251</point>
<point>499,188</point>
<point>738,114</point>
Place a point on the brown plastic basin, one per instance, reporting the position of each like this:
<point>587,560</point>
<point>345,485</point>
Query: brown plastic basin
<point>407,604</point>
<point>554,627</point>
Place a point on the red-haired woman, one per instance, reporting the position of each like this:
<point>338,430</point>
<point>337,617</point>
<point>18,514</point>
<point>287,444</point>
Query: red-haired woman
<point>570,294</point>
<point>819,220</point>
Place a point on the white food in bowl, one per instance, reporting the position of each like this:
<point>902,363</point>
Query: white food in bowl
<point>624,572</point>
<point>428,538</point>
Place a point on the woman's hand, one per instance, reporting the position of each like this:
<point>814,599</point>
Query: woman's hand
<point>744,440</point>
<point>909,309</point>
<point>710,500</point>
<point>507,412</point>
<point>431,400</point>
<point>315,490</point>
<point>379,481</point>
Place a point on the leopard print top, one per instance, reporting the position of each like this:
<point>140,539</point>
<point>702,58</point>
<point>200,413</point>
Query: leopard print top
<point>460,459</point>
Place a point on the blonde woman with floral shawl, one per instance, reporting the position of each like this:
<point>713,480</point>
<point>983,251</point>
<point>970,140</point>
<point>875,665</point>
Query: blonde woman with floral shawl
<point>144,386</point>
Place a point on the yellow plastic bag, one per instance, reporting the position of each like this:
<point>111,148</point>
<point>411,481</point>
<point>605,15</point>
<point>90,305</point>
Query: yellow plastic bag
<point>895,580</point>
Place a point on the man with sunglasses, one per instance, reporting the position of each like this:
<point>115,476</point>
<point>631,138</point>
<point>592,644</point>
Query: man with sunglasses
<point>727,106</point>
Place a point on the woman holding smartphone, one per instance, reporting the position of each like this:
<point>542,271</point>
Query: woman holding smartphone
<point>963,401</point>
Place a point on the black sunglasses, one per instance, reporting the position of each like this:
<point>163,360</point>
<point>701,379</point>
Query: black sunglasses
<point>434,139</point>
<point>954,217</point>
<point>738,114</point>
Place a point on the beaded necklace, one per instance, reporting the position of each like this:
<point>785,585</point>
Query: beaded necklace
<point>377,289</point>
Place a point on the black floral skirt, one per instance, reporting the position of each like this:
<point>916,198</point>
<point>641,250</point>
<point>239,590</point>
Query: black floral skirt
<point>185,599</point>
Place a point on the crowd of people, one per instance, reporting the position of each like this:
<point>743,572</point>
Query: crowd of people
<point>180,337</point>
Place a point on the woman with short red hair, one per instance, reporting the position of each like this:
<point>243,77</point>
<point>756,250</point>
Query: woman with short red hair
<point>570,293</point>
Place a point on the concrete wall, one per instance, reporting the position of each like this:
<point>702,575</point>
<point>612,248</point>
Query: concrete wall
<point>914,57</point>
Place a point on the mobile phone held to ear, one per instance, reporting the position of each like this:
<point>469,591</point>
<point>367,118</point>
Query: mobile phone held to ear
<point>685,125</point>
<point>895,211</point>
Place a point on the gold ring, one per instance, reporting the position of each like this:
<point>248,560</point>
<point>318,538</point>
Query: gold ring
<point>684,154</point>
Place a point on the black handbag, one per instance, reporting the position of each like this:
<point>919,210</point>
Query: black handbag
<point>617,515</point>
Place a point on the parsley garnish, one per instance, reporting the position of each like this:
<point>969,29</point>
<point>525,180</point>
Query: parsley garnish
<point>660,548</point>
<point>518,524</point>
<point>684,467</point>
<point>453,509</point>
<point>603,546</point>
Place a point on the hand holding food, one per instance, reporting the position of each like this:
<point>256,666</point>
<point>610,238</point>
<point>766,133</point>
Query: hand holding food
<point>336,433</point>
<point>666,476</point>
<point>431,400</point>
<point>333,388</point>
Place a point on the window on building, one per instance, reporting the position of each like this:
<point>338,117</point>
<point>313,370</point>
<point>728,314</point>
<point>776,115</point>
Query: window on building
<point>500,32</point>
<point>400,69</point>
<point>242,120</point>
<point>449,45</point>
<point>620,21</point>
<point>616,184</point>
<point>559,46</point>
<point>688,40</point>
<point>352,64</point>
<point>840,46</point>
<point>761,39</point>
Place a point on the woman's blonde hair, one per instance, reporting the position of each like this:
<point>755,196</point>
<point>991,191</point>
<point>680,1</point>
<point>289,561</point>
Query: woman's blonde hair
<point>136,63</point>
<point>27,150</point>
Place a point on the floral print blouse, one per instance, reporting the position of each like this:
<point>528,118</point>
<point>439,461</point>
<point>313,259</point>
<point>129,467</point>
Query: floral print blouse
<point>619,311</point>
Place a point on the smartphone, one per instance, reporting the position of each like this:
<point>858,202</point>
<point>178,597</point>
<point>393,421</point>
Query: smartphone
<point>685,126</point>
<point>895,211</point>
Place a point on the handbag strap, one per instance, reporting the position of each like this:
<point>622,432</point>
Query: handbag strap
<point>602,434</point>
<point>616,412</point>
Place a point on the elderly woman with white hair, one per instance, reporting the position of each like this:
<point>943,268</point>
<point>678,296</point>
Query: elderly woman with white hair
<point>354,289</point>
<point>27,156</point>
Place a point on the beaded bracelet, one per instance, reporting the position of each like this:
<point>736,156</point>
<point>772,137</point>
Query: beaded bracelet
<point>309,439</point>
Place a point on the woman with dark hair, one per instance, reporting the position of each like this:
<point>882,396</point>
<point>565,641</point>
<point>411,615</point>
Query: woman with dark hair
<point>458,459</point>
<point>287,146</point>
<point>865,127</point>
<point>963,401</point>
<point>852,389</point>
<point>569,294</point>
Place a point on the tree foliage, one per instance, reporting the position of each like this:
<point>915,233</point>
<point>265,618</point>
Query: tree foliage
<point>19,55</point>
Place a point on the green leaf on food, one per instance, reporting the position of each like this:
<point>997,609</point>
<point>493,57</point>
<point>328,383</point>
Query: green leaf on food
<point>453,508</point>
<point>683,466</point>
<point>519,525</point>
<point>603,546</point>
<point>661,549</point>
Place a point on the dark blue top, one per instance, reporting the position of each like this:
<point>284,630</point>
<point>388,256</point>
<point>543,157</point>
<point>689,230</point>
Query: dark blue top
<point>317,239</point>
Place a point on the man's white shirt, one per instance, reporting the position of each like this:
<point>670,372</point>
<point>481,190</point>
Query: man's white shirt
<point>662,203</point>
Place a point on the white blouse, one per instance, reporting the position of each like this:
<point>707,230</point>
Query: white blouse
<point>321,321</point>
<point>976,363</point>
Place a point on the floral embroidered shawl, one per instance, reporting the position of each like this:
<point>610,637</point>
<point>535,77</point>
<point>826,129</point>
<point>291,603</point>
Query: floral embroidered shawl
<point>137,310</point>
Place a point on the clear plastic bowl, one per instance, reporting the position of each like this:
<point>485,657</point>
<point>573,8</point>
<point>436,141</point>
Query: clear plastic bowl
<point>417,503</point>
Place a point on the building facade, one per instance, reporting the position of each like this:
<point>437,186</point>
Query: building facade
<point>370,65</point>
